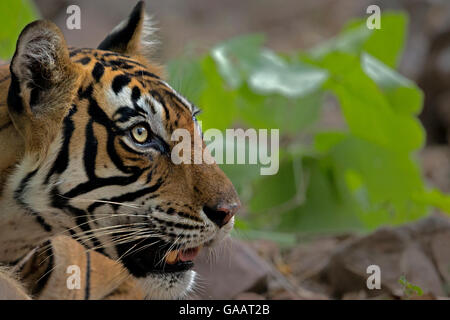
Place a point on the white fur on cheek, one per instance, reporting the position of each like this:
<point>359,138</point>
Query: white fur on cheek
<point>168,286</point>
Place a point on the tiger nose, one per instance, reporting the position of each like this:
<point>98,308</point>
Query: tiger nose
<point>222,213</point>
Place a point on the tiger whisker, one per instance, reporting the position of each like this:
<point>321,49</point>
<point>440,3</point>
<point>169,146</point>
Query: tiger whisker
<point>120,229</point>
<point>107,233</point>
<point>126,235</point>
<point>136,206</point>
<point>144,247</point>
<point>123,255</point>
<point>171,247</point>
<point>46,248</point>
<point>98,219</point>
<point>121,241</point>
<point>91,232</point>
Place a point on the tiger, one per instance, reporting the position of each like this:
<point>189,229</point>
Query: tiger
<point>86,151</point>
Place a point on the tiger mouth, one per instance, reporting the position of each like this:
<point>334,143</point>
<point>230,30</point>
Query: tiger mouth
<point>156,258</point>
<point>177,258</point>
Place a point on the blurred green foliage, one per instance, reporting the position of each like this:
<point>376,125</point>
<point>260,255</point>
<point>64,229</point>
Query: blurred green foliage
<point>409,290</point>
<point>356,178</point>
<point>16,15</point>
<point>351,179</point>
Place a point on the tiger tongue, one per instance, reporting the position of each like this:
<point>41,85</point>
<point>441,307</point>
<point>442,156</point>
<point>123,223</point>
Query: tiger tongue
<point>188,254</point>
<point>182,255</point>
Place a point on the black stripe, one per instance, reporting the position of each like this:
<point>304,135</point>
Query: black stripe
<point>84,60</point>
<point>144,73</point>
<point>127,197</point>
<point>135,93</point>
<point>100,117</point>
<point>23,183</point>
<point>62,161</point>
<point>188,216</point>
<point>18,196</point>
<point>14,99</point>
<point>42,281</point>
<point>176,98</point>
<point>140,111</point>
<point>119,63</point>
<point>42,222</point>
<point>78,50</point>
<point>34,96</point>
<point>98,71</point>
<point>86,93</point>
<point>112,54</point>
<point>155,94</point>
<point>119,82</point>
<point>58,201</point>
<point>125,113</point>
<point>61,202</point>
<point>88,186</point>
<point>82,223</point>
<point>87,290</point>
<point>127,148</point>
<point>90,151</point>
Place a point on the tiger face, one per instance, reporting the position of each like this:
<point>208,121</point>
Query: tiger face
<point>97,126</point>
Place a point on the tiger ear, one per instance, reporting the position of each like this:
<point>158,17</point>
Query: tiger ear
<point>133,36</point>
<point>40,69</point>
<point>43,81</point>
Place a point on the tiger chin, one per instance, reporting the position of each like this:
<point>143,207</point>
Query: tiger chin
<point>88,154</point>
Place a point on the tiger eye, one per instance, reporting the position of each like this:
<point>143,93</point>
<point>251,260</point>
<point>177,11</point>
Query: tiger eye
<point>140,133</point>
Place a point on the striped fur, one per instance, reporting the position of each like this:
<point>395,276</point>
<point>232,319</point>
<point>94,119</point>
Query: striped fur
<point>70,166</point>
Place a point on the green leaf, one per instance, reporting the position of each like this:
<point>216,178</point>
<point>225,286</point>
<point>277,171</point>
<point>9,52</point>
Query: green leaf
<point>350,41</point>
<point>324,141</point>
<point>236,57</point>
<point>403,95</point>
<point>435,198</point>
<point>390,179</point>
<point>244,60</point>
<point>15,15</point>
<point>367,111</point>
<point>315,202</point>
<point>271,74</point>
<point>408,288</point>
<point>217,102</point>
<point>387,43</point>
<point>277,111</point>
<point>275,190</point>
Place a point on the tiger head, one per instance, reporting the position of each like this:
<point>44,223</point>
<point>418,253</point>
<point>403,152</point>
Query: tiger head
<point>97,127</point>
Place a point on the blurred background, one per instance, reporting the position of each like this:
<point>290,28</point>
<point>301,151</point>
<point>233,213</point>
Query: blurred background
<point>364,120</point>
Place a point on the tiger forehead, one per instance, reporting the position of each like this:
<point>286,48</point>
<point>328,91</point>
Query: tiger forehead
<point>143,83</point>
